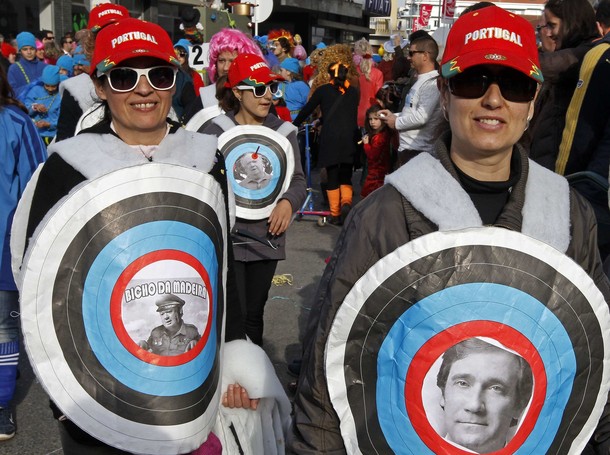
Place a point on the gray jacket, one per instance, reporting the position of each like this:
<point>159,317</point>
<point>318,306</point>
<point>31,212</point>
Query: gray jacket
<point>364,241</point>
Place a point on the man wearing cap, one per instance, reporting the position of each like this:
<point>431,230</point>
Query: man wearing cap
<point>174,336</point>
<point>478,176</point>
<point>419,122</point>
<point>27,68</point>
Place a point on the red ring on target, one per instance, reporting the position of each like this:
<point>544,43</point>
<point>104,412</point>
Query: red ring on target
<point>116,310</point>
<point>436,346</point>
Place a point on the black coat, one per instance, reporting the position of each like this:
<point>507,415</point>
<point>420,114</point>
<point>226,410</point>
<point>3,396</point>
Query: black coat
<point>339,123</point>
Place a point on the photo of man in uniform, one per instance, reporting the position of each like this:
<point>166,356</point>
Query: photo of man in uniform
<point>173,336</point>
<point>253,164</point>
<point>485,390</point>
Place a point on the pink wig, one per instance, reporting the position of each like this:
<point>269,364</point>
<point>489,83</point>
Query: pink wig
<point>229,39</point>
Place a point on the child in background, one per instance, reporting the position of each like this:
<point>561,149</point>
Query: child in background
<point>378,144</point>
<point>280,108</point>
<point>43,101</point>
<point>65,63</point>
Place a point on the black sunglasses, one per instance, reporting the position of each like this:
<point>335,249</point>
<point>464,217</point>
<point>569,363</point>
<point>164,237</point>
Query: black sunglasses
<point>412,53</point>
<point>474,83</point>
<point>125,79</point>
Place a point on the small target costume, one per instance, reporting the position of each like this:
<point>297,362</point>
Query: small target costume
<point>256,251</point>
<point>116,239</point>
<point>394,299</point>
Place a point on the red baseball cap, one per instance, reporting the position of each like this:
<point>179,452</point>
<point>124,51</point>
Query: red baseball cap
<point>250,69</point>
<point>130,38</point>
<point>104,14</point>
<point>491,36</point>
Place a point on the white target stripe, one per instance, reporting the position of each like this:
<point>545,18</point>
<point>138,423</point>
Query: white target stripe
<point>48,247</point>
<point>422,247</point>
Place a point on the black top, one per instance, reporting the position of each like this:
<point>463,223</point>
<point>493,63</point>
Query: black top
<point>339,123</point>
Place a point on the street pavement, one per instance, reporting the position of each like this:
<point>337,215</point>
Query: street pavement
<point>286,314</point>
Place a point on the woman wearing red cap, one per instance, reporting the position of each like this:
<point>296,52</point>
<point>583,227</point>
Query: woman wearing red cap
<point>479,176</point>
<point>134,72</point>
<point>246,98</point>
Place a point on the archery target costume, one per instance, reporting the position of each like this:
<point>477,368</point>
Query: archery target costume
<point>148,237</point>
<point>357,391</point>
<point>256,260</point>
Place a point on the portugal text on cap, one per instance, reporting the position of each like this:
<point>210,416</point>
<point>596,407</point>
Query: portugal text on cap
<point>133,36</point>
<point>494,33</point>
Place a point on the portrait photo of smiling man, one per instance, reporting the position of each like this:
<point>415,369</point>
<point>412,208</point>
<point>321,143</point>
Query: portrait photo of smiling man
<point>485,390</point>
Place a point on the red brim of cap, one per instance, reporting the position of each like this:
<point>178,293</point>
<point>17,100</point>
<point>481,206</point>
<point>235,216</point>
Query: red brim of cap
<point>118,57</point>
<point>491,56</point>
<point>271,77</point>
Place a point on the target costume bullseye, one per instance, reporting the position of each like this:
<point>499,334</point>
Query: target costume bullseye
<point>477,243</point>
<point>126,223</point>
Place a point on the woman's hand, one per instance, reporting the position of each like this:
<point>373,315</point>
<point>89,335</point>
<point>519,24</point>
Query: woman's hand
<point>237,397</point>
<point>279,220</point>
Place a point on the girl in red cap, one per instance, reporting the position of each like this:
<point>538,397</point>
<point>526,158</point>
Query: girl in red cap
<point>259,244</point>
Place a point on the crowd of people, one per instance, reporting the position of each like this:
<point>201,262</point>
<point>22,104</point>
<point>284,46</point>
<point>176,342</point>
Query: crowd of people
<point>444,140</point>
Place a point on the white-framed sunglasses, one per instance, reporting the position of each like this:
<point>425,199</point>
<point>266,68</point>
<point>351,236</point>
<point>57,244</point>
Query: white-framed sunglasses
<point>260,90</point>
<point>125,79</point>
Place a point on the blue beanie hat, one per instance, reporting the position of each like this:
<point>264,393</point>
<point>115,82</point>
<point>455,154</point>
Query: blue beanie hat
<point>321,45</point>
<point>50,75</point>
<point>292,65</point>
<point>80,59</point>
<point>183,43</point>
<point>376,58</point>
<point>26,39</point>
<point>65,62</point>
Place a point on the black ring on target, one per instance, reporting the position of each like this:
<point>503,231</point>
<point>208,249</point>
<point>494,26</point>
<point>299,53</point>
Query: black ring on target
<point>67,314</point>
<point>423,278</point>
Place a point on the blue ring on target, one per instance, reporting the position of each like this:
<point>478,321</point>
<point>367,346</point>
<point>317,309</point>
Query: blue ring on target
<point>435,313</point>
<point>101,279</point>
<point>264,150</point>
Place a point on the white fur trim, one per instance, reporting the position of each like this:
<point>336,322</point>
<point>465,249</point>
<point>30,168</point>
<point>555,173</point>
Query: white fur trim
<point>224,122</point>
<point>263,430</point>
<point>286,128</point>
<point>546,211</point>
<point>208,96</point>
<point>246,363</point>
<point>82,89</point>
<point>95,155</point>
<point>427,185</point>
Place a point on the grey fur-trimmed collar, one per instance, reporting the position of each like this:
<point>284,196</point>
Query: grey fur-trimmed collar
<point>431,189</point>
<point>94,155</point>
